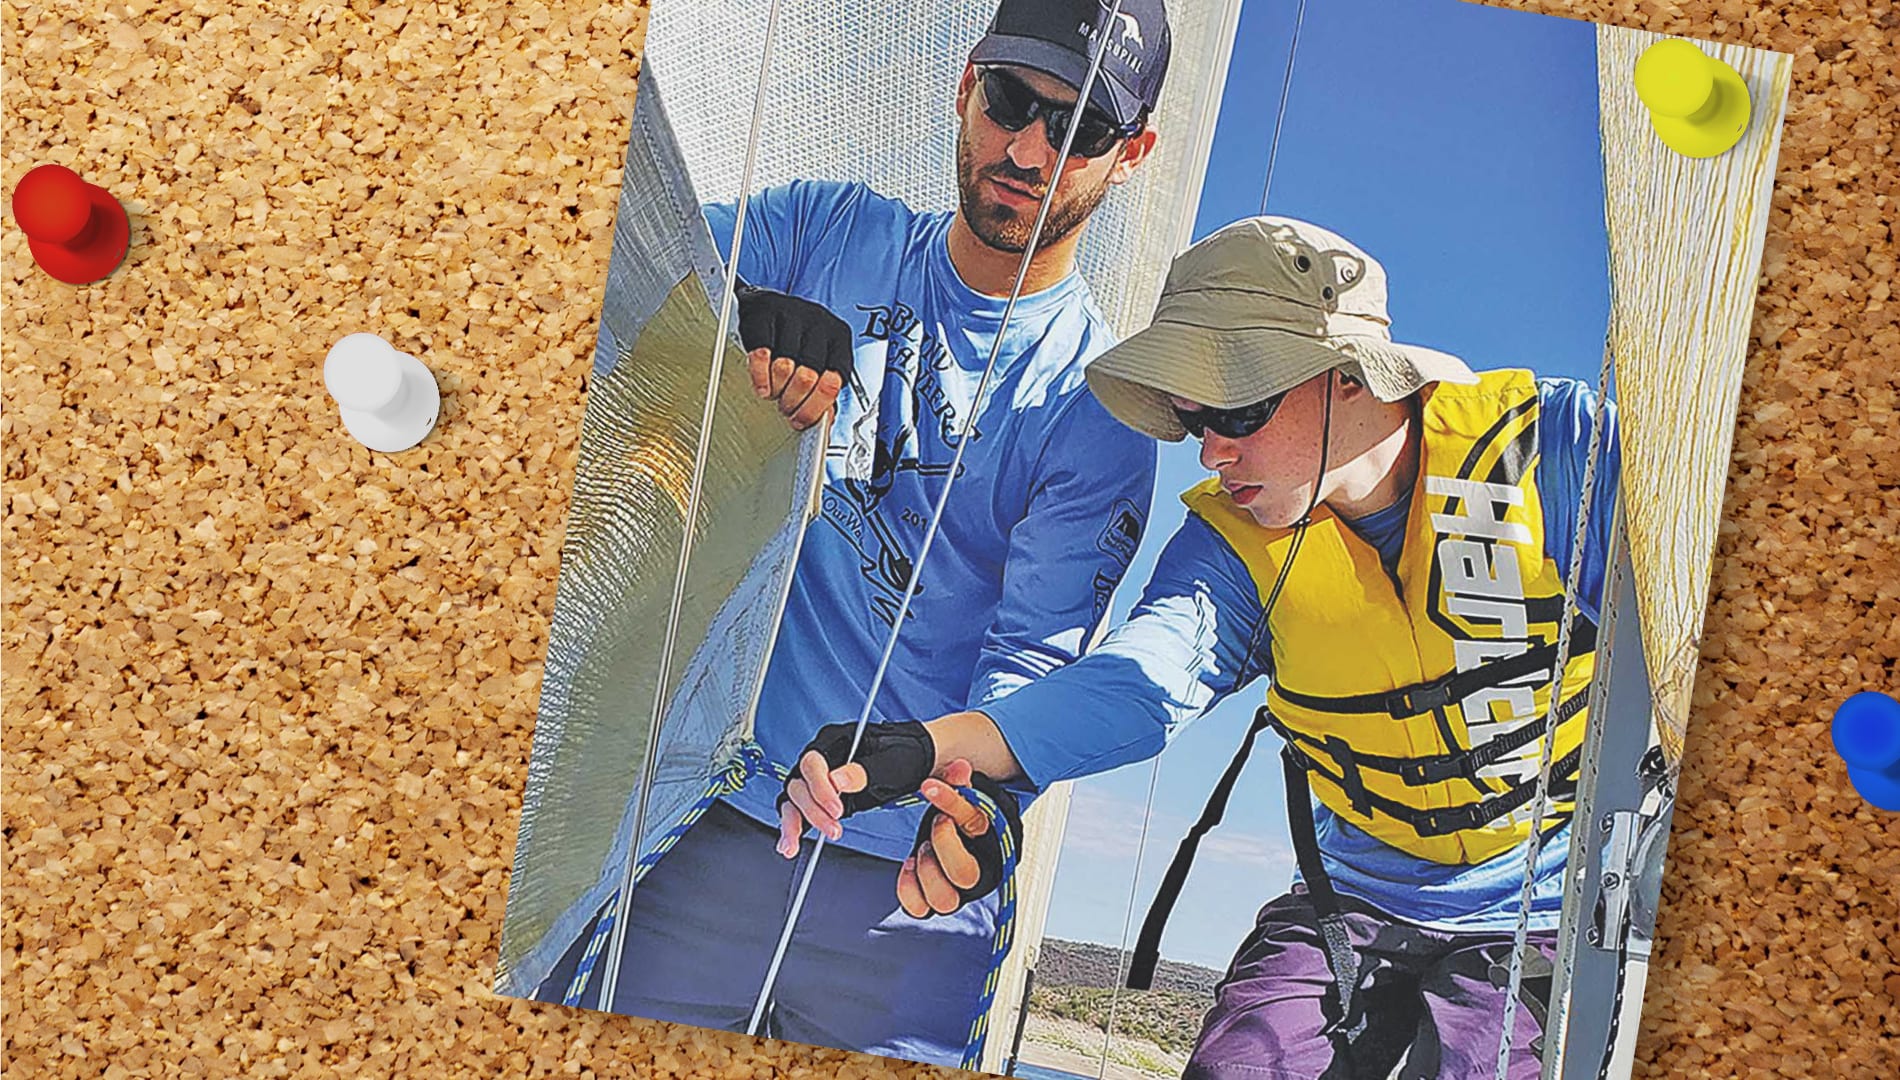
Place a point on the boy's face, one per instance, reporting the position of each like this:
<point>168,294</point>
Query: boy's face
<point>1002,174</point>
<point>1271,472</point>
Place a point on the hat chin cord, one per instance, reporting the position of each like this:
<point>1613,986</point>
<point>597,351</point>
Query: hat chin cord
<point>1299,533</point>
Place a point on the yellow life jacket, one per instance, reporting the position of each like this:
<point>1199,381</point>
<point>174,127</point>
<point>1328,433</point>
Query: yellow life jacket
<point>1414,700</point>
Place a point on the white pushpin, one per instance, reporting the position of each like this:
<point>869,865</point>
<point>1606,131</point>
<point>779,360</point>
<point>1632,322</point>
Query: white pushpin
<point>389,399</point>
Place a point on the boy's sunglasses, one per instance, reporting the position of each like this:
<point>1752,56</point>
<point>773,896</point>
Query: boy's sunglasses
<point>1235,423</point>
<point>1013,106</point>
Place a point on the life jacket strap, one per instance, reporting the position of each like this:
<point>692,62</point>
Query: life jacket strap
<point>1444,821</point>
<point>1438,768</point>
<point>1421,698</point>
<point>1344,1022</point>
<point>1351,779</point>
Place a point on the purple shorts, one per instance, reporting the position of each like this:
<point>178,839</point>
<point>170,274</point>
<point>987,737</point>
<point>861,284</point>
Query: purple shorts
<point>1431,1000</point>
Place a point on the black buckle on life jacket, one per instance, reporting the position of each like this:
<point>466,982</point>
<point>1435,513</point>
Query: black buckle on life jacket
<point>1447,820</point>
<point>1416,700</point>
<point>1418,772</point>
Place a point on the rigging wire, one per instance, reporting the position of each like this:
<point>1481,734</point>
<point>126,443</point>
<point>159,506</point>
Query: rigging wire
<point>1110,12</point>
<point>1279,119</point>
<point>1534,845</point>
<point>650,756</point>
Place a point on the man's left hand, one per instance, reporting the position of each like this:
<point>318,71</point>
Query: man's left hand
<point>831,783</point>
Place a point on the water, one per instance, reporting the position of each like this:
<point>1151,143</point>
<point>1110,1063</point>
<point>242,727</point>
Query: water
<point>1026,1071</point>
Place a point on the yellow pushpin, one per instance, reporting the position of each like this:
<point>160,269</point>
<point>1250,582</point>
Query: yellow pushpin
<point>1697,104</point>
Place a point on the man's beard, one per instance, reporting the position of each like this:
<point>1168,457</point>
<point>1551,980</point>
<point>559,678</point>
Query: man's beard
<point>1001,227</point>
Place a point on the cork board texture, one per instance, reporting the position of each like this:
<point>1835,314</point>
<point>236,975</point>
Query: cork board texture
<point>269,696</point>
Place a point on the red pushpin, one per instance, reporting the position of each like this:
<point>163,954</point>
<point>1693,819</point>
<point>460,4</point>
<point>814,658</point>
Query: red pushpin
<point>77,231</point>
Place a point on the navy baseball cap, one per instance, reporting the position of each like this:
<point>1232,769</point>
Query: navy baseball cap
<point>1057,37</point>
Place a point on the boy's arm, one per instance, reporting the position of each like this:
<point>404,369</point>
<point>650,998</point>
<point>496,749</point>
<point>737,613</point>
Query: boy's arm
<point>1567,414</point>
<point>1174,659</point>
<point>1177,656</point>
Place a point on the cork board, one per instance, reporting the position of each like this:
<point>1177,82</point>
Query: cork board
<point>268,697</point>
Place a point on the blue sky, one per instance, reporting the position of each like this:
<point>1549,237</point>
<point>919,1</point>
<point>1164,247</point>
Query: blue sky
<point>1458,145</point>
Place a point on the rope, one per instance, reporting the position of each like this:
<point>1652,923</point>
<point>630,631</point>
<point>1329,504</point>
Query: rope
<point>749,762</point>
<point>1534,846</point>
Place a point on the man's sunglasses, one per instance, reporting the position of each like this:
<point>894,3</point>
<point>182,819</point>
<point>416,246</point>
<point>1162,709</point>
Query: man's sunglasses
<point>1013,106</point>
<point>1235,423</point>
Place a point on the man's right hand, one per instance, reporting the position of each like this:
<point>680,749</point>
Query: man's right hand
<point>799,353</point>
<point>957,857</point>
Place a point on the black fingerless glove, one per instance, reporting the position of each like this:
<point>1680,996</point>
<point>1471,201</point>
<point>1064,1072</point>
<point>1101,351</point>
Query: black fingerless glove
<point>806,333</point>
<point>988,848</point>
<point>897,759</point>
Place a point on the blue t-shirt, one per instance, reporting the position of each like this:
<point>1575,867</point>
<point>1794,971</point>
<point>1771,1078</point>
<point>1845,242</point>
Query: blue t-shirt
<point>1040,525</point>
<point>1179,652</point>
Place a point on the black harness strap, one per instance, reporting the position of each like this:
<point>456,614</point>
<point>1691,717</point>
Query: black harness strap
<point>1437,693</point>
<point>1444,821</point>
<point>1141,966</point>
<point>1345,1026</point>
<point>1421,698</point>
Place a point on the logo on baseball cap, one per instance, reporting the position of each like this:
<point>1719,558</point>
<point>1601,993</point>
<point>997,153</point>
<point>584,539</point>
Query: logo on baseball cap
<point>1058,37</point>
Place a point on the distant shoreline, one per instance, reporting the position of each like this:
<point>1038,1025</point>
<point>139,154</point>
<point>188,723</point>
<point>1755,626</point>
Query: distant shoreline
<point>1087,964</point>
<point>1074,1047</point>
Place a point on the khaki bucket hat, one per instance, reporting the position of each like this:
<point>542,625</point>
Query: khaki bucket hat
<point>1254,310</point>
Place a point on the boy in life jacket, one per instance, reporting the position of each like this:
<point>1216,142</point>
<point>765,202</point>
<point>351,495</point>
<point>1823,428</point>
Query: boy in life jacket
<point>1386,540</point>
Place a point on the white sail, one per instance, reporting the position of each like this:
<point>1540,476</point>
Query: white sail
<point>866,92</point>
<point>1686,239</point>
<point>640,439</point>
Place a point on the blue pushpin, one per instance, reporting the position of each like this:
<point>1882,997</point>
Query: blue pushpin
<point>1867,736</point>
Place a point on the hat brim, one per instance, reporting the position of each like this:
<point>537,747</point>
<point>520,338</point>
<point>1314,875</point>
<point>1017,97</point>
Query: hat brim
<point>1051,59</point>
<point>1226,369</point>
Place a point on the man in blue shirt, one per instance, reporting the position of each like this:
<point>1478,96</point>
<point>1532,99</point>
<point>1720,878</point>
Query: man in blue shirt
<point>856,302</point>
<point>1387,539</point>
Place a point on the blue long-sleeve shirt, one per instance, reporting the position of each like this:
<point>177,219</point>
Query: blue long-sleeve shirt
<point>1040,525</point>
<point>1180,651</point>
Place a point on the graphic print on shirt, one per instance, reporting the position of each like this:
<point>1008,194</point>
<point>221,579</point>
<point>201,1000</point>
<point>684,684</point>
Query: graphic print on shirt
<point>1119,540</point>
<point>881,444</point>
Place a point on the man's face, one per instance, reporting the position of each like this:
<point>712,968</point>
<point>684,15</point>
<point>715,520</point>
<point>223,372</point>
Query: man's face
<point>1002,175</point>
